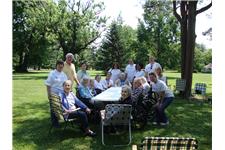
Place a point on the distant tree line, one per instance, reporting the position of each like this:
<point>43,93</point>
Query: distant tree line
<point>44,31</point>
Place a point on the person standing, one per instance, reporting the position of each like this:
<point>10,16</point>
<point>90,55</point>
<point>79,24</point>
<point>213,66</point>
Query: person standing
<point>54,84</point>
<point>130,70</point>
<point>82,72</point>
<point>115,71</point>
<point>160,75</point>
<point>69,68</point>
<point>152,65</point>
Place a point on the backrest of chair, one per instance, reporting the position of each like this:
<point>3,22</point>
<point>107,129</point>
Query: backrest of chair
<point>169,143</point>
<point>200,87</point>
<point>117,114</point>
<point>56,106</point>
<point>180,84</point>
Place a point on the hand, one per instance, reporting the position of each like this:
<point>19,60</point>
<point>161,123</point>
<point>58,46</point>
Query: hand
<point>88,110</point>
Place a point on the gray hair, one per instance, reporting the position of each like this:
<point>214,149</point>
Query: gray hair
<point>69,55</point>
<point>127,88</point>
<point>67,81</point>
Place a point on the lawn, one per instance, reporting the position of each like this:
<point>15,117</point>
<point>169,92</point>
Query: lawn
<point>31,120</point>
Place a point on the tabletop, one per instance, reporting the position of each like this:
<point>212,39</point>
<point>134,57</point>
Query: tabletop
<point>111,94</point>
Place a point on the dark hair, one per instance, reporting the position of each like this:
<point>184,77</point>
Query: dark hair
<point>140,64</point>
<point>152,73</point>
<point>84,63</point>
<point>118,66</point>
<point>59,62</point>
<point>97,76</point>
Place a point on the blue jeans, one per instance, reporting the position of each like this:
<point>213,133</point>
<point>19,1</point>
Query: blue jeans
<point>160,110</point>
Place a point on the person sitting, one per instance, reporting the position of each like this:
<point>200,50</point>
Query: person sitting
<point>137,91</point>
<point>92,87</point>
<point>145,85</point>
<point>85,92</point>
<point>165,98</point>
<point>126,95</point>
<point>70,103</point>
<point>97,84</point>
<point>107,83</point>
<point>160,75</point>
<point>122,80</point>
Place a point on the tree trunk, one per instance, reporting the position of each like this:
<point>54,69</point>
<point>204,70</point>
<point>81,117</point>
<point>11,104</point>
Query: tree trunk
<point>190,46</point>
<point>183,37</point>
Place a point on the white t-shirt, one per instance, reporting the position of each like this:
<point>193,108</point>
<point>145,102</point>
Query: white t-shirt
<point>105,83</point>
<point>130,71</point>
<point>115,74</point>
<point>139,74</point>
<point>163,78</point>
<point>98,85</point>
<point>55,81</point>
<point>151,67</point>
<point>160,86</point>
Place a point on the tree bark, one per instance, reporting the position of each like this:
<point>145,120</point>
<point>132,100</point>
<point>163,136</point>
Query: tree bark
<point>190,46</point>
<point>187,21</point>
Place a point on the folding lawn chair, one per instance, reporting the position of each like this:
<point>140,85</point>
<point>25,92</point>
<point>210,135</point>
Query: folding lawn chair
<point>116,114</point>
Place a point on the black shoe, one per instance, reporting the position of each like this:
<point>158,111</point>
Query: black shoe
<point>90,133</point>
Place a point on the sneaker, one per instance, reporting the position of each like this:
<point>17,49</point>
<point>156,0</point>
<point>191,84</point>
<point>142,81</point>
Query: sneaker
<point>154,123</point>
<point>164,124</point>
<point>90,133</point>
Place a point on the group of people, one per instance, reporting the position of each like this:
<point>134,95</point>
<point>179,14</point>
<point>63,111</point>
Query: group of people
<point>135,81</point>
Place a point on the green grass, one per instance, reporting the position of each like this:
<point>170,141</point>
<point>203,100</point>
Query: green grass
<point>31,120</point>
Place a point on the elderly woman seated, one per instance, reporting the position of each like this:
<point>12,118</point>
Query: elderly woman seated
<point>137,91</point>
<point>85,94</point>
<point>122,80</point>
<point>125,98</point>
<point>126,95</point>
<point>70,103</point>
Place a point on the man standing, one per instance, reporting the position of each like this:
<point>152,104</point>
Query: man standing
<point>130,70</point>
<point>69,68</point>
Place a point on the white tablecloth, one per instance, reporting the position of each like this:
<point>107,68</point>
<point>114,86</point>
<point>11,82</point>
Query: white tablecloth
<point>111,94</point>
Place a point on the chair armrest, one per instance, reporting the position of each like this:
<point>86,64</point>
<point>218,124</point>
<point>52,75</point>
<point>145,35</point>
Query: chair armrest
<point>134,147</point>
<point>102,112</point>
<point>72,111</point>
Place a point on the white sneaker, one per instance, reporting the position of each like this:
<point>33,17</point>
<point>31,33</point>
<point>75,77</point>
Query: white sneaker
<point>164,124</point>
<point>154,123</point>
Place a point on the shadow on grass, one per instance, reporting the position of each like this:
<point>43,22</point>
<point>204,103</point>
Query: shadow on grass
<point>187,119</point>
<point>31,123</point>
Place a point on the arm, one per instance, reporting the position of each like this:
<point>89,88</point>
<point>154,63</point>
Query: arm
<point>75,79</point>
<point>48,91</point>
<point>161,96</point>
<point>80,103</point>
<point>75,76</point>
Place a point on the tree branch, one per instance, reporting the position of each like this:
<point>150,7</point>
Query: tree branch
<point>175,11</point>
<point>91,41</point>
<point>203,9</point>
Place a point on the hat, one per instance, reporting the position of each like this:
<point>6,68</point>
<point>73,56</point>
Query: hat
<point>69,55</point>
